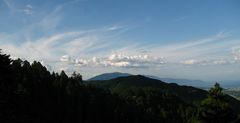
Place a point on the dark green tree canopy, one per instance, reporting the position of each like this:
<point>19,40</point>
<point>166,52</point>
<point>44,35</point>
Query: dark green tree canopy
<point>216,109</point>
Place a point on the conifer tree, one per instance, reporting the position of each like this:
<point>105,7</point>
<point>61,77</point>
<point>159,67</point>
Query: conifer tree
<point>215,108</point>
<point>6,83</point>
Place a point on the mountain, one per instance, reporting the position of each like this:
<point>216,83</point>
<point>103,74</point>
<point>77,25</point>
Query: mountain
<point>119,84</point>
<point>187,82</point>
<point>151,96</point>
<point>129,84</point>
<point>195,83</point>
<point>108,76</point>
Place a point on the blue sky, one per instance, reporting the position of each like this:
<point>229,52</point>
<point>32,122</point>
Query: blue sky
<point>168,38</point>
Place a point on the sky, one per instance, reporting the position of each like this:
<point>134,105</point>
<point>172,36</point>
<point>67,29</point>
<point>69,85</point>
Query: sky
<point>189,39</point>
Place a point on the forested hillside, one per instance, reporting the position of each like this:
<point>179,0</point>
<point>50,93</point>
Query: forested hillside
<point>29,93</point>
<point>188,94</point>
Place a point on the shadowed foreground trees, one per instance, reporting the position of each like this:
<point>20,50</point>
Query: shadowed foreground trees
<point>29,93</point>
<point>216,108</point>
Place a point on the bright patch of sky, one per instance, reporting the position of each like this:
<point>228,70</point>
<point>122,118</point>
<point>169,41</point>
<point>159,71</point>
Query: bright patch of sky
<point>180,39</point>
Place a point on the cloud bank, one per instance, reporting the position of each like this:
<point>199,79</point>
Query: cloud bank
<point>117,60</point>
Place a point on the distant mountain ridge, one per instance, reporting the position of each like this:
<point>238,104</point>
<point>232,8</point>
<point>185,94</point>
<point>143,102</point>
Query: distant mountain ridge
<point>188,82</point>
<point>195,83</point>
<point>108,76</point>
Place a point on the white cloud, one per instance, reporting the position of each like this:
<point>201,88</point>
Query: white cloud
<point>190,44</point>
<point>46,47</point>
<point>206,62</point>
<point>76,49</point>
<point>29,6</point>
<point>65,58</point>
<point>14,7</point>
<point>236,54</point>
<point>113,28</point>
<point>221,61</point>
<point>189,49</point>
<point>66,47</point>
<point>121,60</point>
<point>118,60</point>
<point>28,10</point>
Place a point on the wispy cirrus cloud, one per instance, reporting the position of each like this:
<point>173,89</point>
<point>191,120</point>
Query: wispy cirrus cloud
<point>28,10</point>
<point>231,58</point>
<point>50,47</point>
<point>180,19</point>
<point>73,43</point>
<point>15,8</point>
<point>207,62</point>
<point>195,43</point>
<point>217,46</point>
<point>9,4</point>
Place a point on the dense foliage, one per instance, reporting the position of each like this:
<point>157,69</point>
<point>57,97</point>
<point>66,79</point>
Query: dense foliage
<point>215,108</point>
<point>29,93</point>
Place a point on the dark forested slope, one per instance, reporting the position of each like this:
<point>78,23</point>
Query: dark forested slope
<point>29,93</point>
<point>118,85</point>
<point>188,94</point>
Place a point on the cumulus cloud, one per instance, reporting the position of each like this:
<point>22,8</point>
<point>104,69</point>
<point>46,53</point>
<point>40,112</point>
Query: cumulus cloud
<point>65,58</point>
<point>118,60</point>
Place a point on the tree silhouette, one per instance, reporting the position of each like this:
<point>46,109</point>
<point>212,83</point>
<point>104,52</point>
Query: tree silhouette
<point>6,83</point>
<point>215,108</point>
